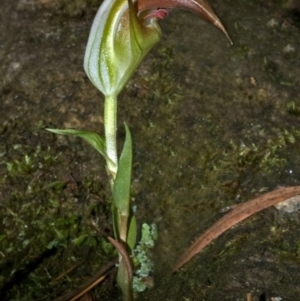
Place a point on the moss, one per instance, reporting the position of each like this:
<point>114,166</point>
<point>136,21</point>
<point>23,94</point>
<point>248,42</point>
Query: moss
<point>49,222</point>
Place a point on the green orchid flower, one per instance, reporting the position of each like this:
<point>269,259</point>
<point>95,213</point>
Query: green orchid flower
<point>123,32</point>
<point>117,44</point>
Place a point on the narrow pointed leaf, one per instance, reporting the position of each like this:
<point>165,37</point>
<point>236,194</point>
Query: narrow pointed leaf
<point>116,221</point>
<point>121,189</point>
<point>236,215</point>
<point>132,232</point>
<point>125,273</point>
<point>132,227</point>
<point>122,251</point>
<point>96,141</point>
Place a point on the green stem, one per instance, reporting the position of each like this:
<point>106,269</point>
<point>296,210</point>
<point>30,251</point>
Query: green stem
<point>110,125</point>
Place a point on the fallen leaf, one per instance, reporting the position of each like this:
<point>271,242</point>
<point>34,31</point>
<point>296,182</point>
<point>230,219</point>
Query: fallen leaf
<point>239,213</point>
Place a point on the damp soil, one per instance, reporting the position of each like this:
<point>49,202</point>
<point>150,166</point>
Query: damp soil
<point>213,125</point>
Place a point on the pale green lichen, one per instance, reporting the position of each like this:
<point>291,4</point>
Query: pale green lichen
<point>142,257</point>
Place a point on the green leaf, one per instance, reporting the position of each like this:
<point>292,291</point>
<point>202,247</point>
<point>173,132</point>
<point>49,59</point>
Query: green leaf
<point>121,189</point>
<point>116,221</point>
<point>125,271</point>
<point>123,217</point>
<point>96,141</point>
<point>132,232</point>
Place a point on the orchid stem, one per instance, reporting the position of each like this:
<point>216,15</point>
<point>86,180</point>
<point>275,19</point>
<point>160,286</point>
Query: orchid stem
<point>110,125</point>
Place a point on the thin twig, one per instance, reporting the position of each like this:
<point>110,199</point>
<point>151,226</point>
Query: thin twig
<point>68,271</point>
<point>89,288</point>
<point>89,284</point>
